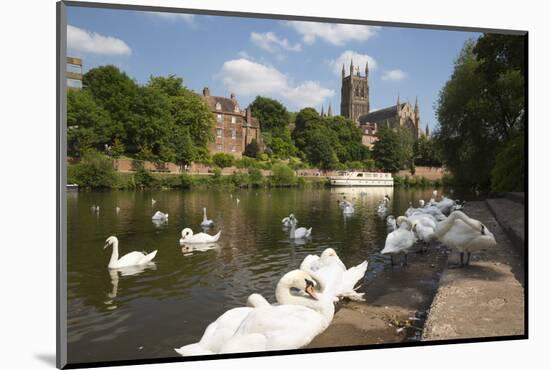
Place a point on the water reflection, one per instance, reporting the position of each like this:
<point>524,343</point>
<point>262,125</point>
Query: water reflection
<point>188,249</point>
<point>124,271</point>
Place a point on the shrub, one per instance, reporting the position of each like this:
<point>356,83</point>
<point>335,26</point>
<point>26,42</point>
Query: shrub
<point>94,171</point>
<point>283,175</point>
<point>223,160</point>
<point>508,171</point>
<point>186,181</point>
<point>144,178</point>
<point>255,177</point>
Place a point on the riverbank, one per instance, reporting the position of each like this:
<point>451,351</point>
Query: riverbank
<point>482,300</point>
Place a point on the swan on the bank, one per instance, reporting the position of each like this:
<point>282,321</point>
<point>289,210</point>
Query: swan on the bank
<point>464,234</point>
<point>333,275</point>
<point>401,240</point>
<point>298,233</point>
<point>160,216</point>
<point>187,237</point>
<point>205,221</point>
<point>300,316</point>
<point>130,259</point>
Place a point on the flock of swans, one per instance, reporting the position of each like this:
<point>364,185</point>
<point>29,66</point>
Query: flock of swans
<point>305,297</point>
<point>440,220</point>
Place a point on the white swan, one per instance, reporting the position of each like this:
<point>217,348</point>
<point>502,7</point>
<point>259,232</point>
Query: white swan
<point>160,216</point>
<point>300,316</point>
<point>94,208</point>
<point>153,201</point>
<point>205,221</point>
<point>348,209</point>
<point>130,259</point>
<point>390,223</point>
<point>401,240</point>
<point>423,226</point>
<point>421,203</point>
<point>238,201</point>
<point>464,234</point>
<point>117,209</point>
<point>298,233</point>
<point>187,237</point>
<point>336,279</point>
<point>287,220</point>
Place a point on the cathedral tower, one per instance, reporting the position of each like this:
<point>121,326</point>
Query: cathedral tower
<point>355,93</point>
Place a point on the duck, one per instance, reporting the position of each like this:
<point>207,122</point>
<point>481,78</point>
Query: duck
<point>299,317</point>
<point>464,234</point>
<point>287,220</point>
<point>298,233</point>
<point>205,221</point>
<point>337,280</point>
<point>160,216</point>
<point>401,240</point>
<point>187,237</point>
<point>130,259</point>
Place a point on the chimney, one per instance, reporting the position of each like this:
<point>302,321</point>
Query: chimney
<point>206,91</point>
<point>232,96</point>
<point>248,115</point>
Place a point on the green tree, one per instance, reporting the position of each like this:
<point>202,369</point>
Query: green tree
<point>223,160</point>
<point>386,151</point>
<point>117,148</point>
<point>283,175</point>
<point>509,169</point>
<point>426,152</point>
<point>95,171</point>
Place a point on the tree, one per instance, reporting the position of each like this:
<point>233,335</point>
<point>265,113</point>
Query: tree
<point>89,125</point>
<point>223,160</point>
<point>274,120</point>
<point>509,169</point>
<point>95,171</point>
<point>426,152</point>
<point>481,108</point>
<point>386,152</point>
<point>117,149</point>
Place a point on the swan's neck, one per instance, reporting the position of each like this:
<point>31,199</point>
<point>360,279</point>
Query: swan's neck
<point>204,214</point>
<point>292,229</point>
<point>324,306</point>
<point>114,255</point>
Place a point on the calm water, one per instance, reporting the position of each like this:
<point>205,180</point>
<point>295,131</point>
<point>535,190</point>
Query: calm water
<point>146,312</point>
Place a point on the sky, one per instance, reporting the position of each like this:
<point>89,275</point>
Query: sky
<point>297,63</point>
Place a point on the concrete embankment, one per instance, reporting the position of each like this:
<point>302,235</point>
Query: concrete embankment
<point>486,298</point>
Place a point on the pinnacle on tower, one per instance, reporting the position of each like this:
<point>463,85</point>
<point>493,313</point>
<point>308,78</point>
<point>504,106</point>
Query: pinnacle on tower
<point>416,105</point>
<point>322,111</point>
<point>351,67</point>
<point>329,113</point>
<point>367,69</point>
<point>343,71</point>
<point>427,130</point>
<point>398,104</point>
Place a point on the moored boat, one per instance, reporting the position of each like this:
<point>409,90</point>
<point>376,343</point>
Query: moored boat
<point>357,178</point>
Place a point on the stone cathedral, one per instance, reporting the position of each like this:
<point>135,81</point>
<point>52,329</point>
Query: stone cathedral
<point>355,105</point>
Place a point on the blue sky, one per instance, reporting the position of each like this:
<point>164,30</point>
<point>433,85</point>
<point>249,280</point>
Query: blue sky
<point>297,63</point>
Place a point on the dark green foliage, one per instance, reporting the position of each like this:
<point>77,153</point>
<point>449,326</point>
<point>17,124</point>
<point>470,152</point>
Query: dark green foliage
<point>95,171</point>
<point>255,177</point>
<point>508,173</point>
<point>386,152</point>
<point>223,160</point>
<point>426,152</point>
<point>282,175</point>
<point>481,108</point>
<point>144,178</point>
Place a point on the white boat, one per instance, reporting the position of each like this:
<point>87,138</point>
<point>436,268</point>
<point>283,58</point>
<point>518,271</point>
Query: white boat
<point>356,178</point>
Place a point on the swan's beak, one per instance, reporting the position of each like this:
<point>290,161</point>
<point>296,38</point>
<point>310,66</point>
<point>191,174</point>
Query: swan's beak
<point>106,245</point>
<point>311,291</point>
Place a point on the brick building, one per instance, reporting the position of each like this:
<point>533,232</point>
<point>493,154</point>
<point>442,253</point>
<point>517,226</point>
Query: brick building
<point>235,127</point>
<point>73,73</point>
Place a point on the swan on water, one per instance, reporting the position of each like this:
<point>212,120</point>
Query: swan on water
<point>117,209</point>
<point>401,240</point>
<point>287,220</point>
<point>205,221</point>
<point>298,318</point>
<point>298,233</point>
<point>187,237</point>
<point>336,279</point>
<point>130,259</point>
<point>160,216</point>
<point>390,223</point>
<point>464,234</point>
<point>153,201</point>
<point>348,209</point>
<point>94,208</point>
<point>238,201</point>
<point>421,203</point>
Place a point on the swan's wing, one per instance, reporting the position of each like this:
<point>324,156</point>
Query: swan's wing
<point>275,328</point>
<point>309,263</point>
<point>132,258</point>
<point>148,257</point>
<point>217,333</point>
<point>459,234</point>
<point>256,300</point>
<point>350,278</point>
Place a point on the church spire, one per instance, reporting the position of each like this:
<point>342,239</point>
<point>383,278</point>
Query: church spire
<point>351,67</point>
<point>398,104</point>
<point>343,71</point>
<point>427,130</point>
<point>367,69</point>
<point>416,110</point>
<point>329,113</point>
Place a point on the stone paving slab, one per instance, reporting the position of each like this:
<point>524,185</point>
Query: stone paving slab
<point>484,299</point>
<point>511,216</point>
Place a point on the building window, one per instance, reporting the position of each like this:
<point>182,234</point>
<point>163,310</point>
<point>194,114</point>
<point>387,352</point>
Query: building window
<point>220,147</point>
<point>77,84</point>
<point>219,118</point>
<point>219,132</point>
<point>237,110</point>
<point>74,68</point>
<point>233,119</point>
<point>233,134</point>
<point>218,106</point>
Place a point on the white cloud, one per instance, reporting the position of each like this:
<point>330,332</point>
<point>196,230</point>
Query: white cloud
<point>359,60</point>
<point>94,43</point>
<point>187,18</point>
<point>271,42</point>
<point>336,34</point>
<point>394,75</point>
<point>244,55</point>
<point>245,77</point>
